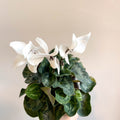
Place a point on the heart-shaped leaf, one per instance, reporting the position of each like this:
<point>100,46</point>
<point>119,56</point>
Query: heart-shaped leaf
<point>48,79</point>
<point>26,72</point>
<point>61,97</point>
<point>85,108</point>
<point>80,73</point>
<point>43,66</point>
<point>33,91</point>
<point>32,106</point>
<point>72,107</point>
<point>66,84</point>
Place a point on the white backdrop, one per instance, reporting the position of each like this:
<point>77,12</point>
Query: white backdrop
<point>55,21</point>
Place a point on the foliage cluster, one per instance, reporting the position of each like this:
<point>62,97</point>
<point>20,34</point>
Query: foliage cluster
<point>50,95</point>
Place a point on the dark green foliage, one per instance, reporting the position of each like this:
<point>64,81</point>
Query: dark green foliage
<point>22,92</point>
<point>80,73</point>
<point>65,72</point>
<point>46,116</point>
<point>48,79</point>
<point>47,106</point>
<point>51,51</point>
<point>78,95</point>
<point>31,77</point>
<point>72,60</point>
<point>26,72</point>
<point>61,97</point>
<point>59,112</point>
<point>85,108</point>
<point>43,67</point>
<point>45,72</point>
<point>47,91</point>
<point>71,107</point>
<point>33,91</point>
<point>32,106</point>
<point>45,113</point>
<point>66,84</point>
<point>38,107</point>
<point>87,86</point>
<point>35,78</point>
<point>50,95</point>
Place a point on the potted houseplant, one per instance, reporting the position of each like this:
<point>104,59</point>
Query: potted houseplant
<point>58,84</point>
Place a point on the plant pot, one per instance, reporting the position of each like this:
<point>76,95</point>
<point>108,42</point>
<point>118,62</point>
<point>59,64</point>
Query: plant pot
<point>66,117</point>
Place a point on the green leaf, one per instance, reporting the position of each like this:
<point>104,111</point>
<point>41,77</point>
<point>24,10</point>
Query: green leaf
<point>65,72</point>
<point>48,79</point>
<point>33,91</point>
<point>39,106</point>
<point>45,113</point>
<point>26,72</point>
<point>72,107</point>
<point>51,51</point>
<point>31,77</point>
<point>34,78</point>
<point>78,95</point>
<point>92,79</point>
<point>47,91</point>
<point>88,85</point>
<point>61,97</point>
<point>32,106</point>
<point>47,106</point>
<point>43,66</point>
<point>59,112</point>
<point>22,92</point>
<point>85,108</point>
<point>66,84</point>
<point>46,116</point>
<point>80,73</point>
<point>72,60</point>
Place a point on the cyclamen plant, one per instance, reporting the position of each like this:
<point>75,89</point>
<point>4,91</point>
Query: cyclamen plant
<point>58,83</point>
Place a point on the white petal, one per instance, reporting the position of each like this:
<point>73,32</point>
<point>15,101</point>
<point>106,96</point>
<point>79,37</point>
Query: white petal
<point>82,43</point>
<point>35,59</point>
<point>66,59</point>
<point>55,51</point>
<point>28,48</point>
<point>32,68</point>
<point>62,50</point>
<point>55,64</point>
<point>19,61</point>
<point>18,46</point>
<point>42,44</point>
<point>74,42</point>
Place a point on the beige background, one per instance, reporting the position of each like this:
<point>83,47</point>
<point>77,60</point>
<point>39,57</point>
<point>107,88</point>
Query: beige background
<point>55,21</point>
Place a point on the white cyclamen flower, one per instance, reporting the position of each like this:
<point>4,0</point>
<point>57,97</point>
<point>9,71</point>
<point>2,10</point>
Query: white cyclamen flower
<point>78,46</point>
<point>24,51</point>
<point>54,62</point>
<point>30,54</point>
